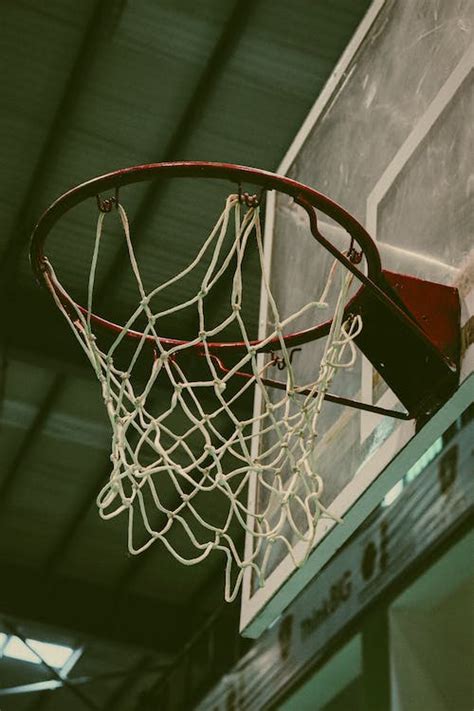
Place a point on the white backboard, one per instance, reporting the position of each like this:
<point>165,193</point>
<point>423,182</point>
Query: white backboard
<point>390,139</point>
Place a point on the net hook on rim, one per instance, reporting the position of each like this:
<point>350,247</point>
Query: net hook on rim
<point>353,254</point>
<point>107,204</point>
<point>250,200</point>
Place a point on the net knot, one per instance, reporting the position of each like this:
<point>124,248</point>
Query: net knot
<point>137,471</point>
<point>202,335</point>
<point>145,300</point>
<point>219,385</point>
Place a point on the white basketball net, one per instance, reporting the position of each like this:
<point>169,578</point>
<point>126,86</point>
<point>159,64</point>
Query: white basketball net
<point>194,479</point>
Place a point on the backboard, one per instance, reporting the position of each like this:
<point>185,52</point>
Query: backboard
<point>389,140</point>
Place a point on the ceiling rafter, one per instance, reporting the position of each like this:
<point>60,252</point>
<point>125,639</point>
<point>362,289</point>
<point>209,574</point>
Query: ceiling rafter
<point>75,691</point>
<point>31,436</point>
<point>53,562</point>
<point>223,619</point>
<point>228,40</point>
<point>89,610</point>
<point>27,212</point>
<point>130,678</point>
<point>50,686</point>
<point>40,700</point>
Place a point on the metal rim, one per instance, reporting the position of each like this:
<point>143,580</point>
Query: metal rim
<point>200,169</point>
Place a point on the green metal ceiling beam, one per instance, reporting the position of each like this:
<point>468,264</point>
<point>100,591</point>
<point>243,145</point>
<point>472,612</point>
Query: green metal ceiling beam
<point>54,673</point>
<point>92,610</point>
<point>230,36</point>
<point>98,27</point>
<point>30,438</point>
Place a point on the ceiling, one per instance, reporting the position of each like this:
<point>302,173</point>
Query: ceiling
<point>88,88</point>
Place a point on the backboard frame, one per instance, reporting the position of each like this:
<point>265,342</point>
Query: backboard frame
<point>403,449</point>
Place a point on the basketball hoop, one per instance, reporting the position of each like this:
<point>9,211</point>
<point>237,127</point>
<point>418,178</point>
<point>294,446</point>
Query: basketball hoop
<point>175,464</point>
